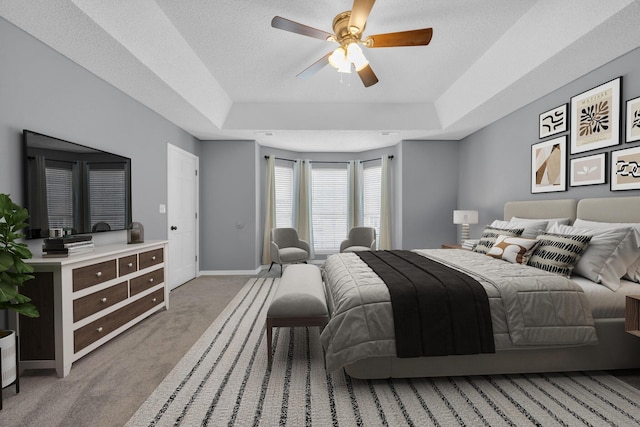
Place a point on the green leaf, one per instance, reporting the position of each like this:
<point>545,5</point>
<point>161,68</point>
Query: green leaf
<point>26,309</point>
<point>6,261</point>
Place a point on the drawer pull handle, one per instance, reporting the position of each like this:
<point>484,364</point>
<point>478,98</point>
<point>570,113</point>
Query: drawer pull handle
<point>151,280</point>
<point>154,300</point>
<point>153,258</point>
<point>104,299</point>
<point>130,265</point>
<point>99,329</point>
<point>99,274</point>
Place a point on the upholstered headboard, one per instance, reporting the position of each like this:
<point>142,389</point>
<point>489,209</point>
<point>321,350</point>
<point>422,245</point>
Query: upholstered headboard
<point>563,208</point>
<point>604,209</point>
<point>610,209</point>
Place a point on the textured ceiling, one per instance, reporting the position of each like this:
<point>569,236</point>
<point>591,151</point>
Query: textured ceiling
<point>218,70</point>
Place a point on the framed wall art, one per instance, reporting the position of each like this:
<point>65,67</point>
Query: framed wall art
<point>553,121</point>
<point>633,120</point>
<point>588,170</point>
<point>625,169</point>
<point>548,165</point>
<point>595,117</point>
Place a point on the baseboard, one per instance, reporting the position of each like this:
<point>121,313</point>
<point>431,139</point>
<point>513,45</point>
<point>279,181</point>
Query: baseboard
<point>230,272</point>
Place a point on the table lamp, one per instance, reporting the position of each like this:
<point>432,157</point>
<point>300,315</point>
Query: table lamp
<point>465,218</point>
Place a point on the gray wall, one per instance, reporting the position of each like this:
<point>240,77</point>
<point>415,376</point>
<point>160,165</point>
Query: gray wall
<point>429,186</point>
<point>494,163</point>
<point>43,91</point>
<point>228,206</point>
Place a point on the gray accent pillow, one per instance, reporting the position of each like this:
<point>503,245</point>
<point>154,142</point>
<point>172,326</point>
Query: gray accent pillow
<point>490,234</point>
<point>559,253</point>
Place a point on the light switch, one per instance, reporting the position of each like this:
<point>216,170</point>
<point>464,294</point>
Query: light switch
<point>163,208</point>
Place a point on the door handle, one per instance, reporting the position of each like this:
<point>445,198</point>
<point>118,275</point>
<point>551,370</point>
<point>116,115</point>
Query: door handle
<point>173,227</point>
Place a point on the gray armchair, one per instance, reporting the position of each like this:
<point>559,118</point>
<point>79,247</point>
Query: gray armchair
<point>287,248</point>
<point>360,239</point>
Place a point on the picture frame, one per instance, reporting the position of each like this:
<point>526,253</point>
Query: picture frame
<point>588,170</point>
<point>625,169</point>
<point>549,165</point>
<point>553,122</point>
<point>633,120</point>
<point>595,117</point>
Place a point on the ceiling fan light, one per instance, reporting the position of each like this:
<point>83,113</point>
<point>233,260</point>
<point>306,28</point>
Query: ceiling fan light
<point>339,60</point>
<point>355,55</point>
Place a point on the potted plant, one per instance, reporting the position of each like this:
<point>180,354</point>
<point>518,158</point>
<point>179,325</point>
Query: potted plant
<point>14,272</point>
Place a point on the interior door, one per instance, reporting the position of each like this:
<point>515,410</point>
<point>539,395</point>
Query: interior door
<point>182,215</point>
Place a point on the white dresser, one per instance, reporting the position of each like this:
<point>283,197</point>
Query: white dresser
<point>87,299</point>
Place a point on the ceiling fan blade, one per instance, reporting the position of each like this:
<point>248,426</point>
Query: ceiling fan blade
<point>294,27</point>
<point>315,67</point>
<point>359,13</point>
<point>367,76</point>
<point>402,38</point>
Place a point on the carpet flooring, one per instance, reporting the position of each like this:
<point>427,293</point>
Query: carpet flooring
<point>106,387</point>
<point>224,380</point>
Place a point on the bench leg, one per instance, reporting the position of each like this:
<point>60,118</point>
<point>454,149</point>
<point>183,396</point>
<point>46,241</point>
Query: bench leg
<point>269,339</point>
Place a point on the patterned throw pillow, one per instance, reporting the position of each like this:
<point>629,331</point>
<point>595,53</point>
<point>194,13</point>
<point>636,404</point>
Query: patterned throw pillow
<point>558,253</point>
<point>513,249</point>
<point>490,235</point>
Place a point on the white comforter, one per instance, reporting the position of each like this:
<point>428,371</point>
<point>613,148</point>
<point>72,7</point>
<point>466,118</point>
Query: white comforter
<point>529,307</point>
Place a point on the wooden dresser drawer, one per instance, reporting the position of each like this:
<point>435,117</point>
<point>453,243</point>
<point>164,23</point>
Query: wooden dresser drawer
<point>92,332</point>
<point>146,281</point>
<point>90,304</point>
<point>128,264</point>
<point>149,258</point>
<point>91,275</point>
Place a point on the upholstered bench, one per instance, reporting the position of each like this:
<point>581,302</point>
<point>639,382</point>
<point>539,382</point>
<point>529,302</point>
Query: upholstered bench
<point>299,300</point>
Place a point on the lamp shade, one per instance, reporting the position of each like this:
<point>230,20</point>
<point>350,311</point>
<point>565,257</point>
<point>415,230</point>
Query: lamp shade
<point>465,217</point>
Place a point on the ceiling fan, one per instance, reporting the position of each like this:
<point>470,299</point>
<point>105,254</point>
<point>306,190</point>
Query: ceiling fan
<point>348,28</point>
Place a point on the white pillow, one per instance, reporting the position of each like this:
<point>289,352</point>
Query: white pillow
<point>550,221</point>
<point>605,259</point>
<point>513,249</point>
<point>629,252</point>
<point>532,227</point>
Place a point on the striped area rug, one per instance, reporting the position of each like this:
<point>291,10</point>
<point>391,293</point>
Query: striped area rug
<point>223,380</point>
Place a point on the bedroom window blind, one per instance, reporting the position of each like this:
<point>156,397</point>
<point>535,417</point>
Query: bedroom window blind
<point>371,198</point>
<point>329,207</point>
<point>284,196</point>
<point>60,200</point>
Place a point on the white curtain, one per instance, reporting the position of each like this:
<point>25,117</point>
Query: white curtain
<point>270,210</point>
<point>385,205</point>
<point>302,202</point>
<point>355,174</point>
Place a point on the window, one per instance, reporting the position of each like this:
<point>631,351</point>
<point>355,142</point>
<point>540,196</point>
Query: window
<point>329,207</point>
<point>372,195</point>
<point>284,196</point>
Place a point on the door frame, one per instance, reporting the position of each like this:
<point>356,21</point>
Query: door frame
<point>196,190</point>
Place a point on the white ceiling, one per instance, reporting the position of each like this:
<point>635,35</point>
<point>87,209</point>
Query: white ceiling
<point>219,71</point>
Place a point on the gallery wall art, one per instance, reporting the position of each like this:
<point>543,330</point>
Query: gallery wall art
<point>548,165</point>
<point>625,169</point>
<point>595,117</point>
<point>553,121</point>
<point>588,170</point>
<point>633,120</point>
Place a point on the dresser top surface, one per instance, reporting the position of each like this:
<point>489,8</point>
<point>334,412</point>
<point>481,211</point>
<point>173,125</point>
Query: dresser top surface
<point>114,249</point>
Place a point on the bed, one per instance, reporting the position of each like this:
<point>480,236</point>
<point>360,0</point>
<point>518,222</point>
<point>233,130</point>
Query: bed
<point>598,341</point>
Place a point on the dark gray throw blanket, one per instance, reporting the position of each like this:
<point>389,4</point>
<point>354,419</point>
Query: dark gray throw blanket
<point>437,310</point>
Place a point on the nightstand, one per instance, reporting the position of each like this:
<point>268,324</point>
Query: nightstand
<point>451,246</point>
<point>632,315</point>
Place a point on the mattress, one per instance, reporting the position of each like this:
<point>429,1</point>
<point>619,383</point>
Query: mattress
<point>605,303</point>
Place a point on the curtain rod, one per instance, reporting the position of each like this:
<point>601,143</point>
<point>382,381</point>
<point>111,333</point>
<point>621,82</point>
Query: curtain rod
<point>321,161</point>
